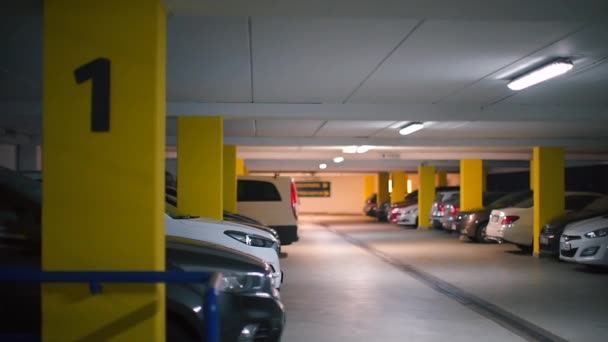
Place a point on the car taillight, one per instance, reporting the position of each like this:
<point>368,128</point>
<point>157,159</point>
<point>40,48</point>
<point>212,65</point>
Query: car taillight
<point>509,219</point>
<point>395,210</point>
<point>440,207</point>
<point>294,200</point>
<point>455,210</point>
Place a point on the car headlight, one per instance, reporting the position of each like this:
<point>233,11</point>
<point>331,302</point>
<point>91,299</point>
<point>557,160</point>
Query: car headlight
<point>250,239</point>
<point>597,233</point>
<point>241,282</point>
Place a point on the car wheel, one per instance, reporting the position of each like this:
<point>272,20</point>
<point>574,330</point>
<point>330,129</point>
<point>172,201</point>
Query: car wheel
<point>176,332</point>
<point>480,234</point>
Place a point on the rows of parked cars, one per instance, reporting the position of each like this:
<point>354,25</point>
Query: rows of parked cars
<point>244,250</point>
<point>579,235</point>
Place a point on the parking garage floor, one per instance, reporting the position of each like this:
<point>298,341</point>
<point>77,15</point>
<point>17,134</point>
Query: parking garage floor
<point>352,279</point>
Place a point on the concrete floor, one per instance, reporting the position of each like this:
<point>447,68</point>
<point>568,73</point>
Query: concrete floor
<point>335,290</point>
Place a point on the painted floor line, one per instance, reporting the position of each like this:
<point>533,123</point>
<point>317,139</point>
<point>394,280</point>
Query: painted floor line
<point>517,325</point>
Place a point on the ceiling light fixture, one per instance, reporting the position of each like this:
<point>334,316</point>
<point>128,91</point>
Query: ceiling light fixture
<point>364,148</point>
<point>338,160</point>
<point>322,166</point>
<point>546,72</point>
<point>411,128</point>
<point>350,149</point>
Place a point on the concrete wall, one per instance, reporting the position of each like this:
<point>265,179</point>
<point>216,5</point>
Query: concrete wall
<point>346,195</point>
<point>8,156</point>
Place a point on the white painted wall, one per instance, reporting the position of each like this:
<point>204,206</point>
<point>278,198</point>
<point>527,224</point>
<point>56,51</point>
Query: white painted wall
<point>346,195</point>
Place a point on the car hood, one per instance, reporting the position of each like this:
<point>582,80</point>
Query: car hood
<point>224,225</point>
<point>587,226</point>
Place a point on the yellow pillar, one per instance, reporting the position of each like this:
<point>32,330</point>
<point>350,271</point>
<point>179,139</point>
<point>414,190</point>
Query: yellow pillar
<point>426,194</point>
<point>230,178</point>
<point>383,195</point>
<point>200,150</point>
<point>549,187</point>
<point>103,163</point>
<point>442,178</point>
<point>241,169</point>
<point>471,184</point>
<point>399,179</point>
<point>369,186</point>
<point>531,174</point>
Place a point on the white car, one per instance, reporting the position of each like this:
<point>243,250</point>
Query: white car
<point>252,241</point>
<point>586,242</point>
<point>408,216</point>
<point>515,224</point>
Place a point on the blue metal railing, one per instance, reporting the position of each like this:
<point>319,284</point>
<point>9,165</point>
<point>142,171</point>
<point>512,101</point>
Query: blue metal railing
<point>96,278</point>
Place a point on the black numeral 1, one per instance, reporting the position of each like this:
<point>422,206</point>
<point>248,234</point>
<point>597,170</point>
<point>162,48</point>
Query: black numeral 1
<point>99,72</point>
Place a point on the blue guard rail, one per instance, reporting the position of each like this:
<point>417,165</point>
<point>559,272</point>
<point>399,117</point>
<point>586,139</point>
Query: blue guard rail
<point>96,278</point>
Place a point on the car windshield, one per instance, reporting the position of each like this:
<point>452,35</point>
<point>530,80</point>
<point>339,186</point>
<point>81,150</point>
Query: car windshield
<point>599,204</point>
<point>511,199</point>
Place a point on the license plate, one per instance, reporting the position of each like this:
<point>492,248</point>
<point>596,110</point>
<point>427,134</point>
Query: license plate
<point>544,240</point>
<point>494,218</point>
<point>454,226</point>
<point>566,246</point>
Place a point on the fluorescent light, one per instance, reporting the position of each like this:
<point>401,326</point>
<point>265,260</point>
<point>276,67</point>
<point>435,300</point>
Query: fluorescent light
<point>322,166</point>
<point>398,124</point>
<point>338,160</point>
<point>541,74</point>
<point>411,128</point>
<point>350,149</point>
<point>364,148</point>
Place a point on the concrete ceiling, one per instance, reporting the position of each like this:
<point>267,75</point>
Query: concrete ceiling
<point>328,74</point>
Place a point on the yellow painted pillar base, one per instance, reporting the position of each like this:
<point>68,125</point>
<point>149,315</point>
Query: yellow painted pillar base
<point>471,184</point>
<point>399,179</point>
<point>426,194</point>
<point>200,185</point>
<point>442,178</point>
<point>549,188</point>
<point>383,195</point>
<point>229,178</point>
<point>103,163</point>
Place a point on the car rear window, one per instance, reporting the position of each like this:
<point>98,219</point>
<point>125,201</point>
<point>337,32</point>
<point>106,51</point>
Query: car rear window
<point>257,191</point>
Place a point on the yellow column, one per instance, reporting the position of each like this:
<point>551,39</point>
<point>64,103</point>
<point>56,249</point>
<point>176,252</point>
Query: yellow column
<point>549,187</point>
<point>241,169</point>
<point>442,178</point>
<point>426,194</point>
<point>399,179</point>
<point>200,146</point>
<point>531,174</point>
<point>104,162</point>
<point>471,184</point>
<point>230,178</point>
<point>369,186</point>
<point>382,188</point>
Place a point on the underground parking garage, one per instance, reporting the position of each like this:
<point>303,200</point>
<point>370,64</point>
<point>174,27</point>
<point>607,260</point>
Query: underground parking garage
<point>189,170</point>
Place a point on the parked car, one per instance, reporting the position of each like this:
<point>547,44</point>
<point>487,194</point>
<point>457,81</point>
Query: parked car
<point>395,211</point>
<point>260,310</point>
<point>273,201</point>
<point>248,240</point>
<point>586,242</point>
<point>251,309</point>
<point>451,220</point>
<point>408,215</point>
<point>473,223</point>
<point>248,221</point>
<point>552,231</point>
<point>438,210</point>
<point>514,224</point>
